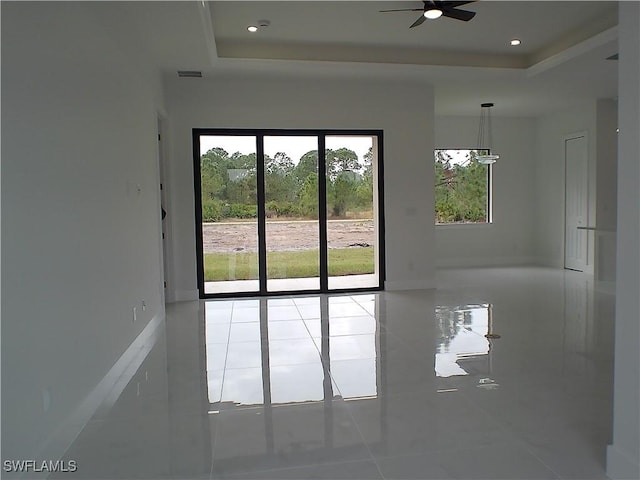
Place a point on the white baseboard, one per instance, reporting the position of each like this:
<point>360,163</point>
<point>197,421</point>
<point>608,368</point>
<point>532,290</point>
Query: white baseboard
<point>182,296</point>
<point>620,466</point>
<point>547,262</point>
<point>105,394</point>
<point>396,285</point>
<point>484,262</point>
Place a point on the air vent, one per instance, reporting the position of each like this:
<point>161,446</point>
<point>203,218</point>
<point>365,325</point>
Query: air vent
<point>190,73</point>
<point>613,57</point>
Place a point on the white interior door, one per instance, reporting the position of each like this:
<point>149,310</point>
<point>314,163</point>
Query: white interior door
<point>576,202</point>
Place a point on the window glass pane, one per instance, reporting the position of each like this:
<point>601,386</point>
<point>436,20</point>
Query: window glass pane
<point>229,213</point>
<point>291,208</point>
<point>462,187</point>
<point>352,207</point>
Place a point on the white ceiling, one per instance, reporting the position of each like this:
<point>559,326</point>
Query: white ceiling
<point>561,62</point>
<point>324,28</point>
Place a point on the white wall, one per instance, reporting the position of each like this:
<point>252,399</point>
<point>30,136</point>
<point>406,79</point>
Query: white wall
<point>509,239</point>
<point>623,456</point>
<point>606,193</point>
<point>607,163</point>
<point>402,110</point>
<point>549,180</point>
<point>81,215</point>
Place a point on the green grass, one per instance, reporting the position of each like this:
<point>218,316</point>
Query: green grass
<point>298,264</point>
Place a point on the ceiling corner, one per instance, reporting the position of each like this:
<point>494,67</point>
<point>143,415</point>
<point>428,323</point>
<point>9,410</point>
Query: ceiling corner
<point>208,31</point>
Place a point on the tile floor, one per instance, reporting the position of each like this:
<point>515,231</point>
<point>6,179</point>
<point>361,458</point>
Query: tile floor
<point>389,385</point>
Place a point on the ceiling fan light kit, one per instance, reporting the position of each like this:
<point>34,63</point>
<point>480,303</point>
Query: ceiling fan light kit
<point>433,13</point>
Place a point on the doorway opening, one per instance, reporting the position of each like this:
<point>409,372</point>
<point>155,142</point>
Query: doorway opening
<point>282,211</point>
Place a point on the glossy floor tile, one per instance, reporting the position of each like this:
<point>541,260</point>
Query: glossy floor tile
<point>497,374</point>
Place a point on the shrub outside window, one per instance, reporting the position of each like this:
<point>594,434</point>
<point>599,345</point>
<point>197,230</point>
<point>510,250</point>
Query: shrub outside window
<point>462,187</point>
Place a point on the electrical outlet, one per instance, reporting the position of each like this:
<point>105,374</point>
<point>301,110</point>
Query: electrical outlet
<point>135,314</point>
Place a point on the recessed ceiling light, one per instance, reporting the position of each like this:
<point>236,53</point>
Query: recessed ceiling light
<point>515,42</point>
<point>433,13</point>
<point>252,28</point>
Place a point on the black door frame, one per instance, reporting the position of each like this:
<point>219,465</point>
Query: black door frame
<point>259,134</point>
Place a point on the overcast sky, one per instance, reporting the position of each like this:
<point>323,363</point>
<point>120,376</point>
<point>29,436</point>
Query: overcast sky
<point>458,156</point>
<point>294,146</point>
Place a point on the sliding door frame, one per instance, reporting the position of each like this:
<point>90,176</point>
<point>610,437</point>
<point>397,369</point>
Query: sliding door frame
<point>259,135</point>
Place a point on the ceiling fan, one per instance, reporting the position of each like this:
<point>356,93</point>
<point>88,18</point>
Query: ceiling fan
<point>438,8</point>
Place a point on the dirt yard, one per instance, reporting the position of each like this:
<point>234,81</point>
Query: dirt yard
<point>285,235</point>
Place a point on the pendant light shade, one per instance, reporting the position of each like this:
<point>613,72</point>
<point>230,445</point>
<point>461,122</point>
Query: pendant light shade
<point>484,136</point>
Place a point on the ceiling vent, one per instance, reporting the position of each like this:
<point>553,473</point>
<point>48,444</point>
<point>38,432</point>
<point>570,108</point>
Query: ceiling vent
<point>190,73</point>
<point>613,57</point>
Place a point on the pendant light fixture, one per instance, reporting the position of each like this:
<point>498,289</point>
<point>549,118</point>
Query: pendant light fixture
<point>484,137</point>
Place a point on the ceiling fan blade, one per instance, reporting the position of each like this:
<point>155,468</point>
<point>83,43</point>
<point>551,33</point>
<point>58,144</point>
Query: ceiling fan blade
<point>463,15</point>
<point>403,10</point>
<point>419,21</point>
<point>445,4</point>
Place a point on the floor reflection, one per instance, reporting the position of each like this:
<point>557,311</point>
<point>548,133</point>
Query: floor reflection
<point>385,385</point>
<point>288,350</point>
<point>262,355</point>
<point>464,344</point>
<point>463,331</point>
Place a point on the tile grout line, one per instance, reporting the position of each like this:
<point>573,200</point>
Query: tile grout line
<point>333,381</point>
<point>364,442</point>
<point>353,420</point>
<point>224,373</point>
<point>523,443</point>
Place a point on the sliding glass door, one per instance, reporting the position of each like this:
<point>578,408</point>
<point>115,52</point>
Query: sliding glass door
<point>292,232</point>
<point>281,211</point>
<point>228,213</point>
<point>351,180</point>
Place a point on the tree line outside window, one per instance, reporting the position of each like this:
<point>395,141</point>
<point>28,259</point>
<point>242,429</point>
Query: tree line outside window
<point>229,185</point>
<point>462,187</point>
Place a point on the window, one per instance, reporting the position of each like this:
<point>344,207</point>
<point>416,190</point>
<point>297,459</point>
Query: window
<point>462,187</point>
